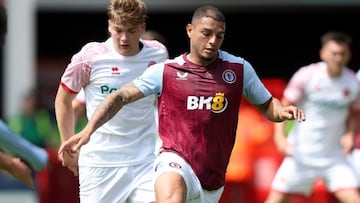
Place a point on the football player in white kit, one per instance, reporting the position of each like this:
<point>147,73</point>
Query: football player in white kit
<point>327,91</point>
<point>116,165</point>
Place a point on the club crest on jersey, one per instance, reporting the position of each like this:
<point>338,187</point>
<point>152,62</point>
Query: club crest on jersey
<point>347,92</point>
<point>181,76</point>
<point>229,76</point>
<point>216,104</point>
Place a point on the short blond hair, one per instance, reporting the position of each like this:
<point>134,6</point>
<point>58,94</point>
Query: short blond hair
<point>127,11</point>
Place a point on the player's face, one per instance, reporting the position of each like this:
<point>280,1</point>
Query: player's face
<point>206,37</point>
<point>336,56</point>
<point>126,37</point>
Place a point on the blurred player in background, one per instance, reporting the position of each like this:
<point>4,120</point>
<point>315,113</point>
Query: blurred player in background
<point>328,92</point>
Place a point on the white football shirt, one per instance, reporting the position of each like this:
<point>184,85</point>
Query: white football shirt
<point>326,102</point>
<point>129,137</point>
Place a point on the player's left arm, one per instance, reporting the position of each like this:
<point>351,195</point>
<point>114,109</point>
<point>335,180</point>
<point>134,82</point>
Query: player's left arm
<point>255,91</point>
<point>275,111</point>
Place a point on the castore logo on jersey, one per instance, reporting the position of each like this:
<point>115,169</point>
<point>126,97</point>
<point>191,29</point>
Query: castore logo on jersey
<point>181,76</point>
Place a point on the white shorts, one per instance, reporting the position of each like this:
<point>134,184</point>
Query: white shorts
<point>354,159</point>
<point>130,184</point>
<point>166,161</point>
<point>294,178</point>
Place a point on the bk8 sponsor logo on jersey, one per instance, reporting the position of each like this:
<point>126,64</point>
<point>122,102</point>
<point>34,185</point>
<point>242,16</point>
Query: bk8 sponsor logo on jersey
<point>216,104</point>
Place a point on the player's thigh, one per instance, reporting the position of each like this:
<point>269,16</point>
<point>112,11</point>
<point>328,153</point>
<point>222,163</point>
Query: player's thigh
<point>348,195</point>
<point>106,184</point>
<point>176,174</point>
<point>170,185</point>
<point>354,159</point>
<point>276,197</point>
<point>142,188</point>
<point>341,175</point>
<point>97,183</point>
<point>294,178</point>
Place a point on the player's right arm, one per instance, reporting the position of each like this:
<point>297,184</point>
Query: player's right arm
<point>65,116</point>
<point>65,119</point>
<point>78,104</point>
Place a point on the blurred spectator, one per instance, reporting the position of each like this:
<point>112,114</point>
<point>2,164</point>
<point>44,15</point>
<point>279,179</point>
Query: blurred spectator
<point>34,123</point>
<point>153,35</point>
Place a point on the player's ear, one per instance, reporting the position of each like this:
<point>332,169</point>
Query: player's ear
<point>109,26</point>
<point>143,27</point>
<point>189,29</point>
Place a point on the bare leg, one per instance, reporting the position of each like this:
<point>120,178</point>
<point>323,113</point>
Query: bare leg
<point>277,197</point>
<point>348,196</point>
<point>170,188</point>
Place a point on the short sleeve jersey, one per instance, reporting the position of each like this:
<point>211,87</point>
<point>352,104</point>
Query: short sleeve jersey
<point>198,109</point>
<point>326,102</point>
<point>129,137</point>
<point>80,97</point>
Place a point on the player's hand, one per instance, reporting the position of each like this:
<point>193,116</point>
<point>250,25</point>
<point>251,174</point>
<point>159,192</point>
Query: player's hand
<point>70,160</point>
<point>292,113</point>
<point>69,151</point>
<point>73,144</point>
<point>21,171</point>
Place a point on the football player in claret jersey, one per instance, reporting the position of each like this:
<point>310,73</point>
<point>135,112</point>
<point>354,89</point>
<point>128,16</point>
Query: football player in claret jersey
<point>199,99</point>
<point>115,166</point>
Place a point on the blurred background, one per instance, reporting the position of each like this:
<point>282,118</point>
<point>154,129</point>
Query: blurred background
<point>276,36</point>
